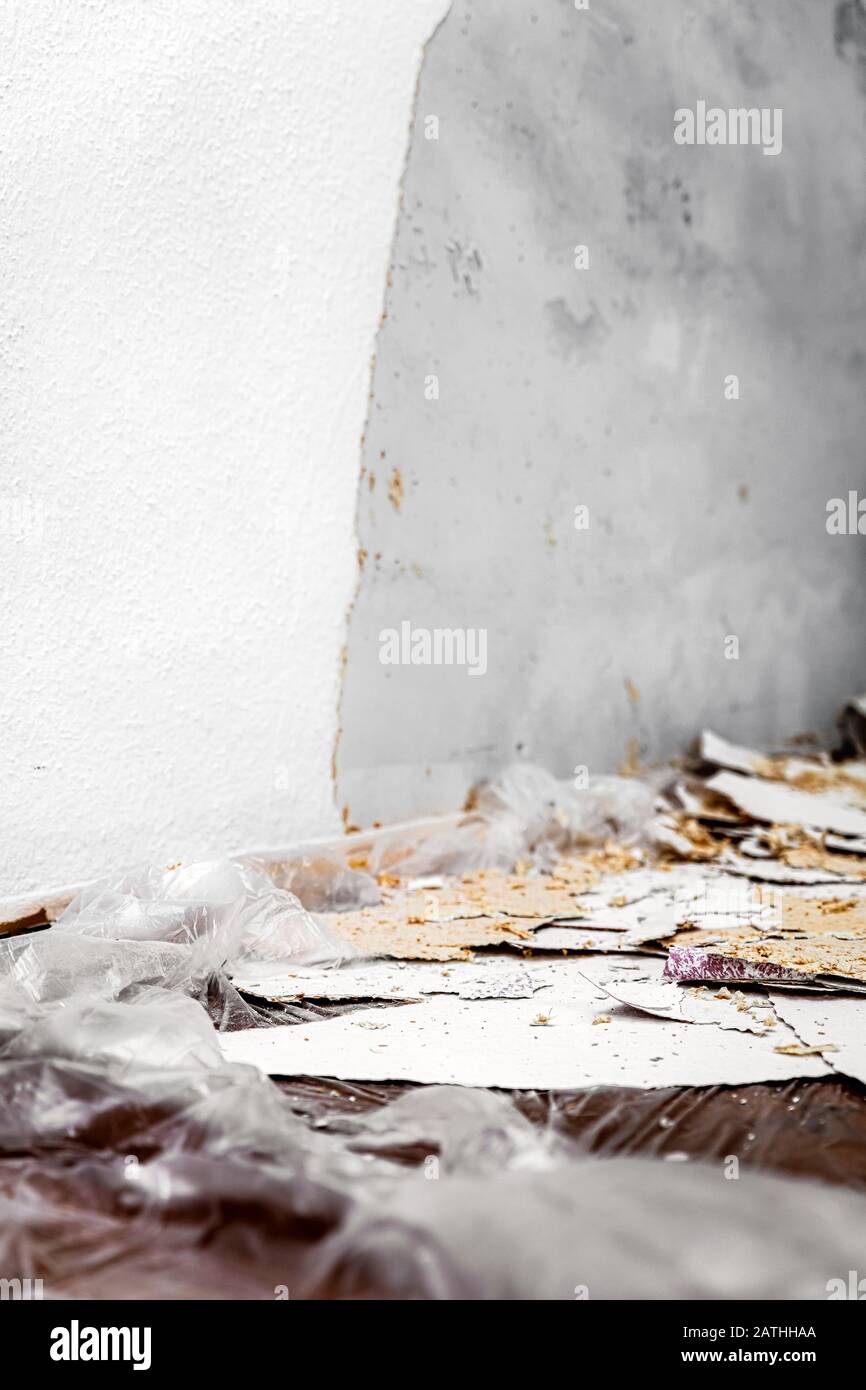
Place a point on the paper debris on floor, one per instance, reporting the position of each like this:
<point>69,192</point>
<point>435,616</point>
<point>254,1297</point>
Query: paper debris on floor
<point>769,869</point>
<point>627,910</point>
<point>484,977</point>
<point>492,978</point>
<point>733,950</point>
<point>747,1013</point>
<point>477,1019</point>
<point>794,822</point>
<point>834,1027</point>
<point>498,1042</point>
<point>800,818</point>
<point>777,803</point>
<point>815,941</point>
<point>699,963</point>
<point>719,751</point>
<point>567,939</point>
<point>404,933</point>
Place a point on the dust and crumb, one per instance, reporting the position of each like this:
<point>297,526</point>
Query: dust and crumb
<point>632,765</point>
<point>395,489</point>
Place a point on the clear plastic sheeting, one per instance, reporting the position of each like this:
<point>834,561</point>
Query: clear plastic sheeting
<point>622,1229</point>
<point>468,1131</point>
<point>51,968</point>
<point>134,976</point>
<point>225,911</point>
<point>525,815</point>
<point>322,880</point>
<point>166,1029</point>
<point>202,1180</point>
<point>553,816</point>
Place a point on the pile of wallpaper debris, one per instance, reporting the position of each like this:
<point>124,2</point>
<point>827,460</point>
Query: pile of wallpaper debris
<point>740,909</point>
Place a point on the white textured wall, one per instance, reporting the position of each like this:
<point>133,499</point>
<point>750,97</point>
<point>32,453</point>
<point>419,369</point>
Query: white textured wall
<point>199,200</point>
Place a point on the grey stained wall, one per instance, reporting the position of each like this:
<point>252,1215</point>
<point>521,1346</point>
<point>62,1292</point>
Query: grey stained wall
<point>604,387</point>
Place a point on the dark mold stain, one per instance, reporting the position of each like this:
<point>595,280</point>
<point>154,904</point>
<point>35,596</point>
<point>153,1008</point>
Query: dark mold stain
<point>849,35</point>
<point>568,334</point>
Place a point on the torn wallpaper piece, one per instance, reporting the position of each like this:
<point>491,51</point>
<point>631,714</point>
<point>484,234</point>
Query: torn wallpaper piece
<point>818,941</point>
<point>593,939</point>
<point>386,931</point>
<point>518,1044</point>
<point>717,750</point>
<point>835,1024</point>
<point>492,978</point>
<point>485,976</point>
<point>783,805</point>
<point>845,781</point>
<point>773,818</point>
<point>664,999</point>
<point>699,963</point>
<point>779,870</point>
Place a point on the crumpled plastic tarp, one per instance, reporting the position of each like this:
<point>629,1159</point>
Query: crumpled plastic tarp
<point>151,938</point>
<point>321,879</point>
<point>118,1116</point>
<point>209,1184</point>
<point>225,911</point>
<point>523,816</point>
